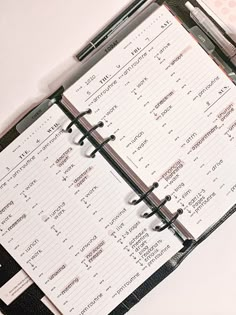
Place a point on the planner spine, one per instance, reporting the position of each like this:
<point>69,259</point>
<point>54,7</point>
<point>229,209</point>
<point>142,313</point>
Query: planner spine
<point>157,207</point>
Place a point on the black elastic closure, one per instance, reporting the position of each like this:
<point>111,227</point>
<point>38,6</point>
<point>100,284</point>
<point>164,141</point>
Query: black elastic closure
<point>160,228</point>
<point>73,121</point>
<point>87,134</point>
<point>143,196</point>
<point>93,154</point>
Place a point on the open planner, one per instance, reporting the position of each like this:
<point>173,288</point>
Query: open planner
<point>120,177</point>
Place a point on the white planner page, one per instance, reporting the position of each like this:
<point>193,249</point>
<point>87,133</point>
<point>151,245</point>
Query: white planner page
<point>66,220</point>
<point>172,110</point>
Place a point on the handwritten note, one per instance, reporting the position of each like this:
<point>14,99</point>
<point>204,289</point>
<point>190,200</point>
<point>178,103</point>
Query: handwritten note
<point>66,220</point>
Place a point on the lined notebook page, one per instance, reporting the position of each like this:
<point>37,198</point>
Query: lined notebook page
<point>172,110</point>
<point>66,220</point>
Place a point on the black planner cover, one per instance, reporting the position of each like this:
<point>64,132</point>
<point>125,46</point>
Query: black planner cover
<point>29,302</point>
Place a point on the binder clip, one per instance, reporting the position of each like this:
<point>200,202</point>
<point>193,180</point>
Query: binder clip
<point>156,210</point>
<point>87,134</point>
<point>73,121</point>
<point>143,196</point>
<point>111,138</point>
<point>160,228</point>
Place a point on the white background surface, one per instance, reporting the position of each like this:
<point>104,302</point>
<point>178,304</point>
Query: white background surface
<point>37,41</point>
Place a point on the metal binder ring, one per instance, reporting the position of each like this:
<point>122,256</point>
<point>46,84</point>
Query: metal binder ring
<point>143,196</point>
<point>160,228</point>
<point>111,138</point>
<point>81,141</point>
<point>163,202</point>
<point>73,121</point>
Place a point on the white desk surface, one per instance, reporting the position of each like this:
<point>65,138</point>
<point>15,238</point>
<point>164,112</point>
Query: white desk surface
<point>37,40</point>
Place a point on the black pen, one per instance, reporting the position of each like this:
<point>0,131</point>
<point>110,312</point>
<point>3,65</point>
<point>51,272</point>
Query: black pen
<point>109,29</point>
